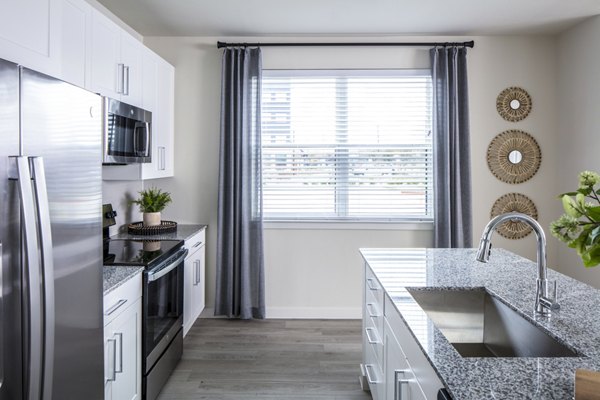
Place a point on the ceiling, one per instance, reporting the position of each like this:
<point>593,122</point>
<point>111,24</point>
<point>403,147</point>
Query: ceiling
<point>350,17</point>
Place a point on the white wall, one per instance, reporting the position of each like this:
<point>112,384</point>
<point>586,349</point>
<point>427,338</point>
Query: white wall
<point>119,194</point>
<point>579,123</point>
<point>317,272</point>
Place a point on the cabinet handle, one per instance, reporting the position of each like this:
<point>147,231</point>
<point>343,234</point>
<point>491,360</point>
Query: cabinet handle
<point>126,79</point>
<point>113,374</point>
<point>197,278</point>
<point>115,307</point>
<point>120,78</point>
<point>401,389</point>
<point>368,332</point>
<point>370,308</point>
<point>371,285</point>
<point>162,162</point>
<point>120,370</point>
<point>368,368</point>
<point>197,244</point>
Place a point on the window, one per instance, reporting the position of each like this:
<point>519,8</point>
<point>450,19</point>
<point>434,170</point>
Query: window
<point>347,145</point>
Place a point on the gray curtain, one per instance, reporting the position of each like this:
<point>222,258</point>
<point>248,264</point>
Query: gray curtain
<point>240,279</point>
<point>452,175</point>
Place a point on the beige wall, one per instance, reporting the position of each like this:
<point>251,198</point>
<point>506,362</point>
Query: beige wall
<point>316,272</point>
<point>579,123</point>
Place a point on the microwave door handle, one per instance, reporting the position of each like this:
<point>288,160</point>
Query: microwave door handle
<point>148,138</point>
<point>136,135</point>
<point>43,211</point>
<point>32,276</point>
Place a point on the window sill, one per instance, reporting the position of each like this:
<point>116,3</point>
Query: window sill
<point>350,225</point>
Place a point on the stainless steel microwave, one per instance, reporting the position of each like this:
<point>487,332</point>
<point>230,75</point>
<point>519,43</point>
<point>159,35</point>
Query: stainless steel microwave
<point>127,133</point>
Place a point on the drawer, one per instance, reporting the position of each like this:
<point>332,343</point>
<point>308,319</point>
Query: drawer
<point>374,312</point>
<point>372,370</point>
<point>373,339</point>
<point>196,241</point>
<point>426,376</point>
<point>373,287</point>
<point>121,298</point>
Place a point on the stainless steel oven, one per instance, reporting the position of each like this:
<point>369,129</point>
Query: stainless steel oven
<point>127,133</point>
<point>162,321</point>
<point>162,303</point>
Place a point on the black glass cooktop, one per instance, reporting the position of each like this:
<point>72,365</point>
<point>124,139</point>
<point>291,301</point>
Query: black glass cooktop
<point>137,252</point>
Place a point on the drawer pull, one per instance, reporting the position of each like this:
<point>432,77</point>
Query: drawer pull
<point>115,307</point>
<point>197,244</point>
<point>401,389</point>
<point>368,368</point>
<point>368,332</point>
<point>371,284</point>
<point>372,310</point>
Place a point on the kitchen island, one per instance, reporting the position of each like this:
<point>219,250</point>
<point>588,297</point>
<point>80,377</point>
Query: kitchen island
<point>512,280</point>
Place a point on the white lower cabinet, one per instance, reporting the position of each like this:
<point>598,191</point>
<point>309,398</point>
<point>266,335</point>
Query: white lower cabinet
<point>401,383</point>
<point>123,342</point>
<point>194,280</point>
<point>394,366</point>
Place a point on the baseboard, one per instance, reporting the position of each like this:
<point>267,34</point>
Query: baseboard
<point>302,313</point>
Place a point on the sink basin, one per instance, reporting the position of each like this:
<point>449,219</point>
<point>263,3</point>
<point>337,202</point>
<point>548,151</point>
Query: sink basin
<point>477,324</point>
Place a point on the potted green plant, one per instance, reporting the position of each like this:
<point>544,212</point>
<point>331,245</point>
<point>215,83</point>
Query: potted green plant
<point>579,226</point>
<point>151,202</point>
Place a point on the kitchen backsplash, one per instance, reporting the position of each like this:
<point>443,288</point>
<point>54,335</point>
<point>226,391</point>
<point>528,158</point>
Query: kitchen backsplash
<point>119,194</point>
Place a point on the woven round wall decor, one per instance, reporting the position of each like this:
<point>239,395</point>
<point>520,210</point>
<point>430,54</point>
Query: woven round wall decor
<point>514,156</point>
<point>513,104</point>
<point>514,202</point>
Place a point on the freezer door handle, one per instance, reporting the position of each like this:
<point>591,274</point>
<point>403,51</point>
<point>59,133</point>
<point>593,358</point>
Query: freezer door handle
<point>32,274</point>
<point>43,214</point>
<point>1,319</point>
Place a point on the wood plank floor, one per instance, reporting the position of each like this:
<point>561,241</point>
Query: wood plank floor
<point>269,359</point>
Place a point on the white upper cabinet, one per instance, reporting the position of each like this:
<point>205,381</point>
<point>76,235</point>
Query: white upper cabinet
<point>30,34</point>
<point>158,96</point>
<point>75,38</point>
<point>163,166</point>
<point>116,61</point>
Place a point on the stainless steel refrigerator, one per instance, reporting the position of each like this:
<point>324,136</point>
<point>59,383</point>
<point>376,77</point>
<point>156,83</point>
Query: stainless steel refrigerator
<point>51,343</point>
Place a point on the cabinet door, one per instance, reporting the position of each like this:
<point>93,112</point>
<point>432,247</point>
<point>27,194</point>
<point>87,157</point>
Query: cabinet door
<point>193,293</point>
<point>399,377</point>
<point>123,354</point>
<point>30,34</point>
<point>106,75</point>
<point>131,58</point>
<point>198,290</point>
<point>75,37</point>
<point>165,121</point>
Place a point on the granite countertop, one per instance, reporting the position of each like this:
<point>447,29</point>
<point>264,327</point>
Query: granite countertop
<point>512,279</point>
<point>184,232</point>
<point>115,276</point>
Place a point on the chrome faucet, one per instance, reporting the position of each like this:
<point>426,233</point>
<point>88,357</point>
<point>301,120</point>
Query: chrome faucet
<point>543,303</point>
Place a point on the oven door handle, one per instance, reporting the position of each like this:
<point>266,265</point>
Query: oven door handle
<point>154,275</point>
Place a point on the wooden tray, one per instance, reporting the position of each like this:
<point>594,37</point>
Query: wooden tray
<point>138,228</point>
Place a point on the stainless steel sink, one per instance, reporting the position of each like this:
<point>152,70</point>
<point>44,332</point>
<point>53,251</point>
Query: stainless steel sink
<point>477,324</point>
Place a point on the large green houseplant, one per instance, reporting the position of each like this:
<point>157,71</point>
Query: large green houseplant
<point>151,202</point>
<point>579,226</point>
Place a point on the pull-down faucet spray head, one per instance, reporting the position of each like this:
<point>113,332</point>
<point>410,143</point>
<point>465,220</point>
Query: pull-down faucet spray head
<point>543,302</point>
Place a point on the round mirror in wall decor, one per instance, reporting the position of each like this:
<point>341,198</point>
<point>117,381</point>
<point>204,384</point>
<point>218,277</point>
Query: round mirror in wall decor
<point>514,156</point>
<point>513,104</point>
<point>514,202</point>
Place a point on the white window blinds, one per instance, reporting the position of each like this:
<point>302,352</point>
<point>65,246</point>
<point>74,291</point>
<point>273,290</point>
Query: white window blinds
<point>347,145</point>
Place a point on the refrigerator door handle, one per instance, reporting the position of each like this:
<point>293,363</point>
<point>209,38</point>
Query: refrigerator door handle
<point>32,276</point>
<point>43,214</point>
<point>1,318</point>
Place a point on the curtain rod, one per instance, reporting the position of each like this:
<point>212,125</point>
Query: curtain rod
<point>401,44</point>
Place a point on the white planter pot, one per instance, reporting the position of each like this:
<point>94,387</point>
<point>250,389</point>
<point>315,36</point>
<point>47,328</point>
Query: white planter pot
<point>152,219</point>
